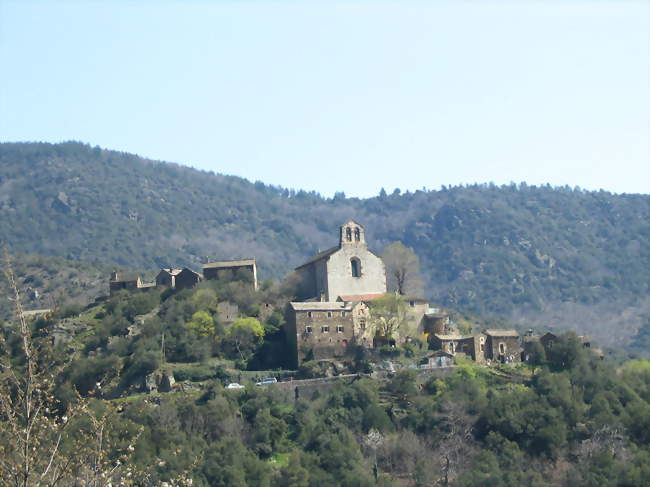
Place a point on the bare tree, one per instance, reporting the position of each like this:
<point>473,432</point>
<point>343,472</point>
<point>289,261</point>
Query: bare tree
<point>387,315</point>
<point>403,270</point>
<point>43,443</point>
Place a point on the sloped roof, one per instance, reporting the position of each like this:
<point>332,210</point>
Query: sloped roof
<point>187,269</point>
<point>321,306</point>
<point>126,278</point>
<point>439,353</point>
<point>229,263</point>
<point>451,337</point>
<point>319,256</point>
<point>171,272</point>
<point>502,333</point>
<point>355,298</point>
<point>437,315</point>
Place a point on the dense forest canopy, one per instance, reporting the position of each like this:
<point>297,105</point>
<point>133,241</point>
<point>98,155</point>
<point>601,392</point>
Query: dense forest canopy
<point>542,255</point>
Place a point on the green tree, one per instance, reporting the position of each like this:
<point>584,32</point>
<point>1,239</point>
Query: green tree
<point>536,355</point>
<point>245,335</point>
<point>202,324</point>
<point>294,474</point>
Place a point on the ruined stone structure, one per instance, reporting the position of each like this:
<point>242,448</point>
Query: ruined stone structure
<point>347,269</point>
<point>231,269</point>
<point>436,321</point>
<point>227,312</point>
<point>502,345</point>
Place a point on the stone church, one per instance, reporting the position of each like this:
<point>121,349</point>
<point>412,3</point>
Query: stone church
<point>333,291</point>
<point>347,269</point>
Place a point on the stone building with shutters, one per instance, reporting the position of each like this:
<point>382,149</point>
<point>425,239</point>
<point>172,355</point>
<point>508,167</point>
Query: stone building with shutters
<point>319,330</point>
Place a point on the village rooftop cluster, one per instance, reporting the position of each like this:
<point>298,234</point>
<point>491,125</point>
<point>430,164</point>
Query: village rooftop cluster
<point>333,310</point>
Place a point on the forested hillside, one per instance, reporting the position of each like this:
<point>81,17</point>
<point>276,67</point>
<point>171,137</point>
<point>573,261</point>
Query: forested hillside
<point>541,255</point>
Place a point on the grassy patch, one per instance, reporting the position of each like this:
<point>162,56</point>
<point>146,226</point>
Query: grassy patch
<point>279,460</point>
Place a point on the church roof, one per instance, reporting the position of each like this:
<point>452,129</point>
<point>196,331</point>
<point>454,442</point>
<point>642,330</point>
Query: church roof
<point>319,256</point>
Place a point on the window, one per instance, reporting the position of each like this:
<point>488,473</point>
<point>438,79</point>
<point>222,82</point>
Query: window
<point>355,265</point>
<point>412,304</point>
<point>324,329</point>
<point>343,314</point>
<point>348,234</point>
<point>339,329</point>
<point>357,235</point>
<point>308,329</point>
<point>502,348</point>
<point>309,314</point>
<point>451,347</point>
<point>362,324</point>
<point>329,314</point>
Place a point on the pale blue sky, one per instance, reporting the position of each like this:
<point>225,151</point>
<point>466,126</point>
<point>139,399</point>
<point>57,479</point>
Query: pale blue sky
<point>341,96</point>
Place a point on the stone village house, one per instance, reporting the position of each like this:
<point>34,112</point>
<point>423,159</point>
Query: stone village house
<point>230,269</point>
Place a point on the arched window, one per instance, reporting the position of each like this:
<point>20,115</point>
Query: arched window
<point>357,234</point>
<point>348,234</point>
<point>356,267</point>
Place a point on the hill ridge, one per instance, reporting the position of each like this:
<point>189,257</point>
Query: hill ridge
<point>517,251</point>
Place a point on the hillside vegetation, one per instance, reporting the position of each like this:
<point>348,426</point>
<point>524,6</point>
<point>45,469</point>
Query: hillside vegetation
<point>540,255</point>
<point>52,282</point>
<point>564,419</point>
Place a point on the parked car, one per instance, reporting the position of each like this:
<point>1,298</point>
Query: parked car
<point>267,381</point>
<point>234,385</point>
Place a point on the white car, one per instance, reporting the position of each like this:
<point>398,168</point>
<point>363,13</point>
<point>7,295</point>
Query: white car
<point>234,385</point>
<point>267,381</point>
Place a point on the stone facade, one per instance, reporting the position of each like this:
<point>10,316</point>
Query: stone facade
<point>320,330</point>
<point>502,345</point>
<point>187,278</point>
<point>348,269</point>
<point>231,269</point>
<point>129,282</point>
<point>167,277</point>
<point>436,322</point>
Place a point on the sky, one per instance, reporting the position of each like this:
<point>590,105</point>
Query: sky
<point>338,96</point>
